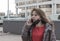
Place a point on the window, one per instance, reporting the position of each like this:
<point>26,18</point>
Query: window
<point>39,6</point>
<point>59,17</point>
<point>16,4</point>
<point>58,5</point>
<point>22,14</point>
<point>49,6</point>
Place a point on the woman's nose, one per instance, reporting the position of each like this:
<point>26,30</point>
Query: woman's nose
<point>33,16</point>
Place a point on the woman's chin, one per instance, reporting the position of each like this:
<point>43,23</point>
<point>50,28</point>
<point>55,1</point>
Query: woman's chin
<point>34,20</point>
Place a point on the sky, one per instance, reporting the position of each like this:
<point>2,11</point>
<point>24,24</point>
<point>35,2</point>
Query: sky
<point>4,5</point>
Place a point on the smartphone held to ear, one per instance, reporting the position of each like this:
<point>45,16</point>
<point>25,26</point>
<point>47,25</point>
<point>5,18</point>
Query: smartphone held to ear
<point>32,20</point>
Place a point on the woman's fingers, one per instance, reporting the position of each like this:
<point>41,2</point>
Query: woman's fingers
<point>29,22</point>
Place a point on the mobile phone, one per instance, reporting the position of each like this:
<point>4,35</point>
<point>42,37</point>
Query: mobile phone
<point>32,20</point>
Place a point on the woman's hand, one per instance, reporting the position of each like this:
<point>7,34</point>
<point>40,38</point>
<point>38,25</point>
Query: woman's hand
<point>29,23</point>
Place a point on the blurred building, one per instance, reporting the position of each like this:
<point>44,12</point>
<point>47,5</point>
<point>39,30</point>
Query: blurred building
<point>2,14</point>
<point>50,7</point>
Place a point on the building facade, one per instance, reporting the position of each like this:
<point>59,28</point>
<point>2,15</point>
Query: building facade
<point>50,7</point>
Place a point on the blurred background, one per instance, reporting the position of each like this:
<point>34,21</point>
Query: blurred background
<point>14,13</point>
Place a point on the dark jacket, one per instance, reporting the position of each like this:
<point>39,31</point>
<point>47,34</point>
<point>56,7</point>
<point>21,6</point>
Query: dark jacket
<point>49,34</point>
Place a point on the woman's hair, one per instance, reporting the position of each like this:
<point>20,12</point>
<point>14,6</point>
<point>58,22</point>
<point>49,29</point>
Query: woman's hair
<point>43,17</point>
<point>41,14</point>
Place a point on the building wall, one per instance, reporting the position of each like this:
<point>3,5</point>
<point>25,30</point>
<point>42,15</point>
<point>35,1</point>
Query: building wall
<point>47,8</point>
<point>2,14</point>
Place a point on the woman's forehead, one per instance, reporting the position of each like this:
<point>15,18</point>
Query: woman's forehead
<point>34,12</point>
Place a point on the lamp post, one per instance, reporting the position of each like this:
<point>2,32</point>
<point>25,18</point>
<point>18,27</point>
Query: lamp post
<point>8,9</point>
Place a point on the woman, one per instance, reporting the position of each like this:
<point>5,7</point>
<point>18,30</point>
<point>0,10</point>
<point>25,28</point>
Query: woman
<point>38,28</point>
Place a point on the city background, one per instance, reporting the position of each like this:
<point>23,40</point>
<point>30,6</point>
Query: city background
<point>14,13</point>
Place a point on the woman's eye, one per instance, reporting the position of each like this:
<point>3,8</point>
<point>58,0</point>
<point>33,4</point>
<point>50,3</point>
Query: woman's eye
<point>31,14</point>
<point>35,15</point>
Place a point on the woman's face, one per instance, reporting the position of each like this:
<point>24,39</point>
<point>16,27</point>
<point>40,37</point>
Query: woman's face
<point>35,16</point>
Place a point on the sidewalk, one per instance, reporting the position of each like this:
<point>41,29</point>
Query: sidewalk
<point>10,37</point>
<point>58,40</point>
